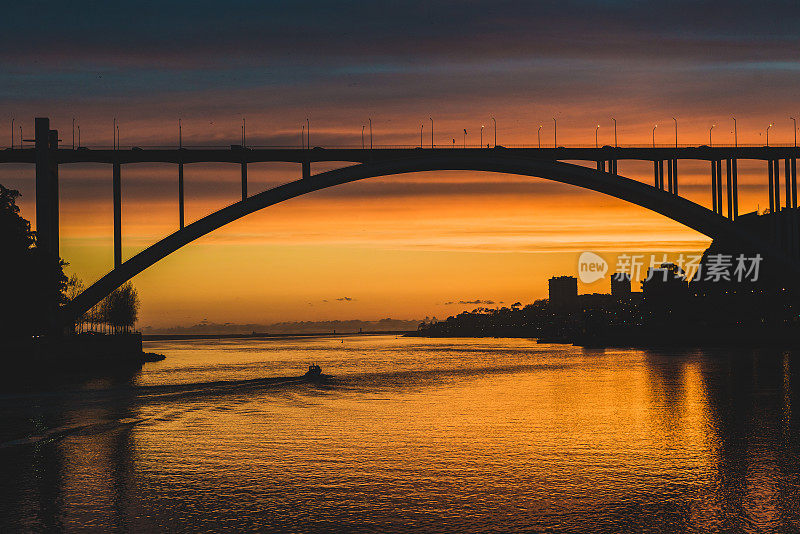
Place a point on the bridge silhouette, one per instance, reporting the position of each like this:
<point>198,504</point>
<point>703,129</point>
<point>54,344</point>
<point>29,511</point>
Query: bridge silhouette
<point>718,223</point>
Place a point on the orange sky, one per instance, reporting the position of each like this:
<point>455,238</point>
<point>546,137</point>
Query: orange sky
<point>398,246</point>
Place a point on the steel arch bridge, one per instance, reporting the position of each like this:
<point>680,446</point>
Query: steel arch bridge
<point>548,164</point>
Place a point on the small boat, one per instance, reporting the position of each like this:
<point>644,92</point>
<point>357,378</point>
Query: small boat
<point>314,372</point>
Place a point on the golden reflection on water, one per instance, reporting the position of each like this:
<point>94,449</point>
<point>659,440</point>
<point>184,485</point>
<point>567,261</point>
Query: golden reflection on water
<point>433,435</point>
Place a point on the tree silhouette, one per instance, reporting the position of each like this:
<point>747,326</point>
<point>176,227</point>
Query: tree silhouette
<point>121,308</point>
<point>32,281</point>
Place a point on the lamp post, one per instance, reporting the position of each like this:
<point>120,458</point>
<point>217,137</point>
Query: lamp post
<point>308,133</point>
<point>465,138</point>
<point>20,136</point>
<point>431,118</point>
<point>596,128</point>
<point>735,134</point>
<point>709,135</point>
<point>12,133</point>
<point>73,133</point>
<point>539,136</point>
<point>615,131</point>
<point>370,133</point>
<point>555,133</point>
<point>79,135</point>
<point>421,127</point>
<point>654,135</point>
<point>795,130</point>
<point>244,133</point>
<point>362,136</point>
<point>303,136</point>
<point>495,131</point>
<point>482,135</point>
<point>676,131</point>
<point>180,134</point>
<point>768,127</point>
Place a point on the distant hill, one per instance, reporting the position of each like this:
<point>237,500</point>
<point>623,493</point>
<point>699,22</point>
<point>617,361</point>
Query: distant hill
<point>289,327</point>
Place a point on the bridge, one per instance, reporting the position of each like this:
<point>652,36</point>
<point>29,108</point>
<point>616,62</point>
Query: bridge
<point>548,163</point>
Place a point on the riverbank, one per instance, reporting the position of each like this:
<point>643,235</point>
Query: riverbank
<point>83,352</point>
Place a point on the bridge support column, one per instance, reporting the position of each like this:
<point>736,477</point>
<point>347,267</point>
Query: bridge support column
<point>658,171</point>
<point>612,166</point>
<point>794,182</point>
<point>771,180</point>
<point>787,177</point>
<point>675,175</point>
<point>729,186</point>
<point>735,181</point>
<point>669,175</point>
<point>117,179</point>
<point>244,181</point>
<point>776,175</point>
<point>715,207</point>
<point>719,185</point>
<point>306,169</point>
<point>180,196</point>
<point>47,228</point>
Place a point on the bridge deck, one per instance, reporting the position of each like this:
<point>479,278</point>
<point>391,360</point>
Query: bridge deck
<point>317,154</point>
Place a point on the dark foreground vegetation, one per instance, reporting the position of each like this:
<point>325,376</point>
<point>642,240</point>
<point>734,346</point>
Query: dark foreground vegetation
<point>35,286</point>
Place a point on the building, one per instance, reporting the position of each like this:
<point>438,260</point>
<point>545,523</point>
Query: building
<point>621,285</point>
<point>563,293</point>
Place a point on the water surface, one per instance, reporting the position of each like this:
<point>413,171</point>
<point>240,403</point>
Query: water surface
<point>411,434</point>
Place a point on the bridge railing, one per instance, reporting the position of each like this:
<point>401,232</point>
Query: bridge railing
<point>401,146</point>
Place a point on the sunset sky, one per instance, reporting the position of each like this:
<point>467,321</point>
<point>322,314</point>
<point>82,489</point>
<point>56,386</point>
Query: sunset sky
<point>402,246</point>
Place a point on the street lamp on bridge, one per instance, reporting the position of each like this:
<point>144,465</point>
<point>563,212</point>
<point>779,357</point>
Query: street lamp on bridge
<point>431,118</point>
<point>370,133</point>
<point>481,136</point>
<point>709,135</point>
<point>362,136</point>
<point>676,131</point>
<point>795,130</point>
<point>539,136</point>
<point>555,133</point>
<point>735,134</point>
<point>596,128</point>
<point>768,127</point>
<point>421,127</point>
<point>654,135</point>
<point>12,133</point>
<point>615,131</point>
<point>308,133</point>
<point>495,131</point>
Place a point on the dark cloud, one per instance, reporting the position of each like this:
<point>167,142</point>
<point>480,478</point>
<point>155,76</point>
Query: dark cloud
<point>201,32</point>
<point>345,299</point>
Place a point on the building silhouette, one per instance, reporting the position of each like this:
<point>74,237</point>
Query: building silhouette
<point>621,285</point>
<point>563,293</point>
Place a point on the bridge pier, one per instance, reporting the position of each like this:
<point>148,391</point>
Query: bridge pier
<point>180,196</point>
<point>612,166</point>
<point>794,182</point>
<point>117,179</point>
<point>306,169</point>
<point>47,229</point>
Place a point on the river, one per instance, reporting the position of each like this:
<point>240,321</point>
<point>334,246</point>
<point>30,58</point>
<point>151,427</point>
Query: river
<point>411,434</point>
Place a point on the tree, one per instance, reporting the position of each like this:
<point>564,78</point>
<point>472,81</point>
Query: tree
<point>32,282</point>
<point>121,308</point>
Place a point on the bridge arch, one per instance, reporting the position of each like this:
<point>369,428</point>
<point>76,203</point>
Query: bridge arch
<point>672,206</point>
